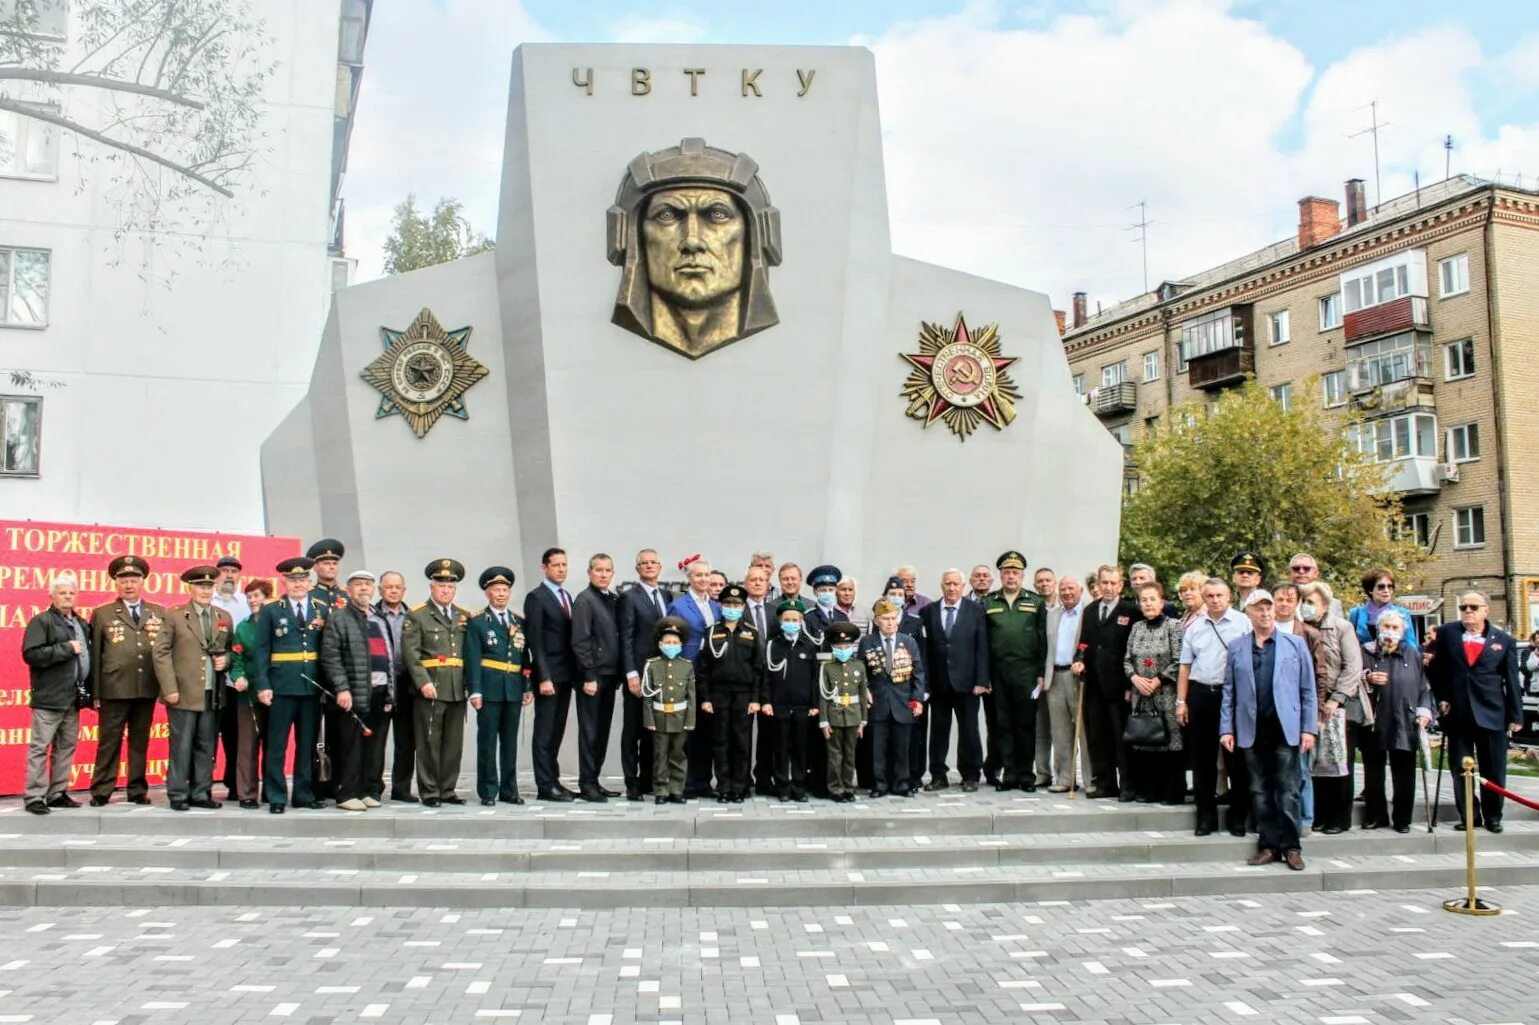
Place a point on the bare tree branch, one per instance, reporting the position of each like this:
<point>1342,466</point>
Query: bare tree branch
<point>98,82</point>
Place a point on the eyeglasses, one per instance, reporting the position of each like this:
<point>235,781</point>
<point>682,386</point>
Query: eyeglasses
<point>1300,569</point>
<point>1383,587</point>
<point>1470,608</point>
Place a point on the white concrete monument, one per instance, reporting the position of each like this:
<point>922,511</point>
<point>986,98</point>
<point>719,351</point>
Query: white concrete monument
<point>693,335</point>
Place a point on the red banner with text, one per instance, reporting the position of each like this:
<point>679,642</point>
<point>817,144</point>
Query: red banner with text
<point>31,552</point>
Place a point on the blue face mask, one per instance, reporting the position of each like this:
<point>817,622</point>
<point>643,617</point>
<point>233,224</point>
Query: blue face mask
<point>843,654</point>
<point>731,613</point>
<point>827,598</point>
<point>791,629</point>
<point>670,650</point>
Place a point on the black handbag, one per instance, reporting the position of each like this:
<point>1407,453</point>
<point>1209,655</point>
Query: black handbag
<point>1146,726</point>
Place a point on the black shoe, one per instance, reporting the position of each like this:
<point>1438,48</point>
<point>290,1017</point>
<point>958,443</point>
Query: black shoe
<point>452,799</point>
<point>248,805</point>
<point>1494,826</point>
<point>312,805</point>
<point>556,795</point>
<point>1030,788</point>
<point>1404,829</point>
<point>488,802</point>
<point>676,799</point>
<point>593,795</point>
<point>875,793</point>
<point>178,805</point>
<point>660,800</point>
<point>1125,797</point>
<point>37,807</point>
<point>1004,785</point>
<point>510,799</point>
<point>969,787</point>
<point>608,792</point>
<point>936,784</point>
<point>97,800</point>
<point>431,802</point>
<point>63,801</point>
<point>992,781</point>
<point>1380,824</point>
<point>1334,830</point>
<point>139,799</point>
<point>1361,798</point>
<point>207,802</point>
<point>722,797</point>
<point>1236,829</point>
<point>1459,826</point>
<point>403,798</point>
<point>910,792</point>
<point>799,798</point>
<point>568,791</point>
<point>632,794</point>
<point>1204,830</point>
<point>275,809</point>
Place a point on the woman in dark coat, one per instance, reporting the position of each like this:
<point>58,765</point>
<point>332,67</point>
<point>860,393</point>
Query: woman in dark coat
<point>1402,704</point>
<point>1152,662</point>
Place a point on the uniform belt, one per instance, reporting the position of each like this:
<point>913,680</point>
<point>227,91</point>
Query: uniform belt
<point>443,662</point>
<point>669,707</point>
<point>1204,683</point>
<point>506,667</point>
<point>1063,669</point>
<point>292,656</point>
<point>846,699</point>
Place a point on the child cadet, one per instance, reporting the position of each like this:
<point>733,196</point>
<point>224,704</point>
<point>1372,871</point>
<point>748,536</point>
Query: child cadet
<point>844,704</point>
<point>668,709</point>
<point>731,689</point>
<point>896,674</point>
<point>792,661</point>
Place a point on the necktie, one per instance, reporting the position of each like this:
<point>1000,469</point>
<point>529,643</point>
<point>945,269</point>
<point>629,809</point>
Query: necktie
<point>1105,610</point>
<point>657,599</point>
<point>502,617</point>
<point>758,616</point>
<point>133,610</point>
<point>951,618</point>
<point>566,606</point>
<point>299,611</point>
<point>889,654</point>
<point>208,633</point>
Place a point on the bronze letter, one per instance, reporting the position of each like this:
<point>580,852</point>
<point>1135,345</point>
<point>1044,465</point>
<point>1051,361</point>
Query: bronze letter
<point>694,80</point>
<point>751,82</point>
<point>641,81</point>
<point>805,78</point>
<point>585,83</point>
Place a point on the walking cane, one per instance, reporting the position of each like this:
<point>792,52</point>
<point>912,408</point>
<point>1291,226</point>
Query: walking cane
<point>1426,763</point>
<point>1079,711</point>
<point>326,695</point>
<point>1442,751</point>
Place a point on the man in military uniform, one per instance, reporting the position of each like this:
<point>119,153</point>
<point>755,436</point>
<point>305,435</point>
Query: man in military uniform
<point>497,678</point>
<point>283,665</point>
<point>123,685</point>
<point>844,704</point>
<point>824,581</point>
<point>731,689</point>
<point>192,655</point>
<point>433,638</point>
<point>1017,629</point>
<point>668,709</point>
<point>326,555</point>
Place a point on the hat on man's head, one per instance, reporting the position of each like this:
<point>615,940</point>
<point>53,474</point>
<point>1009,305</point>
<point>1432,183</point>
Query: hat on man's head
<point>1248,560</point>
<point>127,566</point>
<point>885,605</point>
<point>842,631</point>
<point>200,575</point>
<point>795,605</point>
<point>230,561</point>
<point>496,575</point>
<point>445,571</point>
<point>1010,560</point>
<point>297,567</point>
<point>360,574</point>
<point>326,548</point>
<point>824,576</point>
<point>735,593</point>
<point>1257,596</point>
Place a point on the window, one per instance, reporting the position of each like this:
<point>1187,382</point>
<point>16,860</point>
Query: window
<point>1151,424</point>
<point>1453,275</point>
<point>1181,360</point>
<point>1282,394</point>
<point>1152,366</point>
<point>1079,384</point>
<point>1418,527</point>
<point>1130,485</point>
<point>1387,360</point>
<point>1277,324</point>
<point>1470,527</point>
<point>46,19</point>
<point>21,419</point>
<point>1333,389</point>
<point>1212,332</point>
<point>1396,437</point>
<point>1373,287</point>
<point>1463,443</point>
<point>23,288</point>
<point>29,148</point>
<point>1114,374</point>
<point>1124,435</point>
<point>1330,311</point>
<point>1459,360</point>
<point>355,22</point>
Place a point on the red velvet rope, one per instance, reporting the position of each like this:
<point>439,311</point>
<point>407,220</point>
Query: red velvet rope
<point>1525,802</point>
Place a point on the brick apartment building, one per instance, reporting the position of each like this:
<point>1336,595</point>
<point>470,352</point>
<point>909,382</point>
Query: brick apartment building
<point>1423,313</point>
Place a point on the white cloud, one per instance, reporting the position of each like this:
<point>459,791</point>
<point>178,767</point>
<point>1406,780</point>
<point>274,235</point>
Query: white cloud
<point>662,29</point>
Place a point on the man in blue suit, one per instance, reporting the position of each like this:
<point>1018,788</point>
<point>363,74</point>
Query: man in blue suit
<point>1269,712</point>
<point>697,608</point>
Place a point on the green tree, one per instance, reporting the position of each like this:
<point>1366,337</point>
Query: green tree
<point>417,240</point>
<point>1249,474</point>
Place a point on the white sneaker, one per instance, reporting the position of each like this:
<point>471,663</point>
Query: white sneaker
<point>353,805</point>
<point>369,802</point>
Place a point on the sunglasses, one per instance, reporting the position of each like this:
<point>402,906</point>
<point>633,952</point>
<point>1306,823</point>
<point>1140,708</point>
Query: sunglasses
<point>1383,587</point>
<point>1470,608</point>
<point>1300,569</point>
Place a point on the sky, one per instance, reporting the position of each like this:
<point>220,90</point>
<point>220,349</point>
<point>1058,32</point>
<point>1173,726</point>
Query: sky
<point>1053,120</point>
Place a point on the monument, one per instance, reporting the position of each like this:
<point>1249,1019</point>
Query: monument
<point>656,354</point>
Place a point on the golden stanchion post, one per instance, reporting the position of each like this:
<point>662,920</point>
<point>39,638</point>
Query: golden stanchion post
<point>1470,904</point>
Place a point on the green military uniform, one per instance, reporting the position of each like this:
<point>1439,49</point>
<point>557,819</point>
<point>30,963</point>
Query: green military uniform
<point>1017,632</point>
<point>123,686</point>
<point>844,704</point>
<point>668,710</point>
<point>334,596</point>
<point>283,660</point>
<point>496,671</point>
<point>433,647</point>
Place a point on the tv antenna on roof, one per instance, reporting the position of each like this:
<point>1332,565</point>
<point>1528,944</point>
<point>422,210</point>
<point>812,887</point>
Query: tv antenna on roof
<point>1374,127</point>
<point>1447,157</point>
<point>1142,227</point>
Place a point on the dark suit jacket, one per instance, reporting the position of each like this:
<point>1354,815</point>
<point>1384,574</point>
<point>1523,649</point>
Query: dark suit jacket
<point>549,634</point>
<point>817,621</point>
<point>960,661</point>
<point>889,701</point>
<point>1485,694</point>
<point>1107,645</point>
<point>596,634</point>
<point>638,619</point>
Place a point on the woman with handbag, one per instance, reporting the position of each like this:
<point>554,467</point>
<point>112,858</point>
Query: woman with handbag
<point>1402,703</point>
<point>1343,712</point>
<point>1153,736</point>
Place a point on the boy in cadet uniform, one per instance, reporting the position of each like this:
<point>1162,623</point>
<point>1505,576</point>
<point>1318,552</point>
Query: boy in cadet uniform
<point>668,709</point>
<point>497,678</point>
<point>896,675</point>
<point>731,689</point>
<point>844,705</point>
<point>792,661</point>
<point>433,642</point>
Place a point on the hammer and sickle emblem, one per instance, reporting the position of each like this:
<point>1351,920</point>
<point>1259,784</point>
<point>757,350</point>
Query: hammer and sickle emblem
<point>963,372</point>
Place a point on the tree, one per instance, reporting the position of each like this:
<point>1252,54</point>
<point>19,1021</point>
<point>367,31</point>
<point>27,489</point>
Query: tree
<point>418,241</point>
<point>1251,475</point>
<point>163,95</point>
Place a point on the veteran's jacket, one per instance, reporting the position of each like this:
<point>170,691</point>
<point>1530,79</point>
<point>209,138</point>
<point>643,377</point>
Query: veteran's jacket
<point>668,695</point>
<point>497,663</point>
<point>434,649</point>
<point>183,659</point>
<point>286,649</point>
<point>893,683</point>
<point>122,663</point>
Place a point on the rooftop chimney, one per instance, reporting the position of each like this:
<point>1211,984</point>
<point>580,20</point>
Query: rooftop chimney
<point>1080,317</point>
<point>1319,219</point>
<point>1060,317</point>
<point>1357,207</point>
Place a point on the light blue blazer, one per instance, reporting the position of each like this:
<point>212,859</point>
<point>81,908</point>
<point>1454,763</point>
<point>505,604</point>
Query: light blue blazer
<point>1293,690</point>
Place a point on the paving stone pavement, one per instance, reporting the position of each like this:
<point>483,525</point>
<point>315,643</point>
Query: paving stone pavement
<point>1356,958</point>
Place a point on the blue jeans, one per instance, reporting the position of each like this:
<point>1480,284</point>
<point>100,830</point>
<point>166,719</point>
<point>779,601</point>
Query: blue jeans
<point>1275,791</point>
<point>1306,795</point>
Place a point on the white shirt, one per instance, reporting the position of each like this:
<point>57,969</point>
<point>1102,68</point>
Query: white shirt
<point>703,602</point>
<point>1287,628</point>
<point>1067,637</point>
<point>1205,645</point>
<point>235,605</point>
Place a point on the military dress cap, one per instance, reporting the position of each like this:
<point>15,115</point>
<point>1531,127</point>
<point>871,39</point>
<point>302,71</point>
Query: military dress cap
<point>842,632</point>
<point>200,575</point>
<point>128,566</point>
<point>445,571</point>
<point>824,576</point>
<point>1260,594</point>
<point>326,548</point>
<point>495,575</point>
<point>1248,560</point>
<point>791,605</point>
<point>228,560</point>
<point>298,566</point>
<point>884,606</point>
<point>734,593</point>
<point>670,625</point>
<point>1010,560</point>
<point>360,574</point>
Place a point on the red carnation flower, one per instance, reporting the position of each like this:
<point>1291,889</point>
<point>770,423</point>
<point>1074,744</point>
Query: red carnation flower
<point>237,649</point>
<point>1082,647</point>
<point>443,659</point>
<point>1148,662</point>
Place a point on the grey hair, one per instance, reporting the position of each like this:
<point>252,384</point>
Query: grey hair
<point>1392,614</point>
<point>905,569</point>
<point>64,579</point>
<point>1479,594</point>
<point>1321,588</point>
<point>1141,565</point>
<point>1216,582</point>
<point>846,580</point>
<point>960,575</point>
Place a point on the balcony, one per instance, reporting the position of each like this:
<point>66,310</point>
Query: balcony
<point>1410,393</point>
<point>1218,347</point>
<point>1114,399</point>
<point>1222,368</point>
<point>1408,313</point>
<point>1414,475</point>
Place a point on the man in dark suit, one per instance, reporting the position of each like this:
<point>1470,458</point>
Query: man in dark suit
<point>548,621</point>
<point>956,647</point>
<point>895,677</point>
<point>1104,633</point>
<point>596,642</point>
<point>640,607</point>
<point>1474,675</point>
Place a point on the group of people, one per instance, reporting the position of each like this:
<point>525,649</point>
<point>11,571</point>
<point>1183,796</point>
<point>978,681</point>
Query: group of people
<point>729,689</point>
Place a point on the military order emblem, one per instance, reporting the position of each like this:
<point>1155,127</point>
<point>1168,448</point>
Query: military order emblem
<point>424,372</point>
<point>960,377</point>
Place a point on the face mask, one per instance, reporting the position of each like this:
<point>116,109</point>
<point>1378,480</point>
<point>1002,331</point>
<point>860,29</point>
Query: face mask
<point>791,629</point>
<point>670,650</point>
<point>827,599</point>
<point>1390,637</point>
<point>1307,613</point>
<point>731,613</point>
<point>843,654</point>
<point>896,599</point>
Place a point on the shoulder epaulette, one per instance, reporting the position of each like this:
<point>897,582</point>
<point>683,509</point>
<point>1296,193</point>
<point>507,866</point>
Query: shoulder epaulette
<point>271,602</point>
<point>419,606</point>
